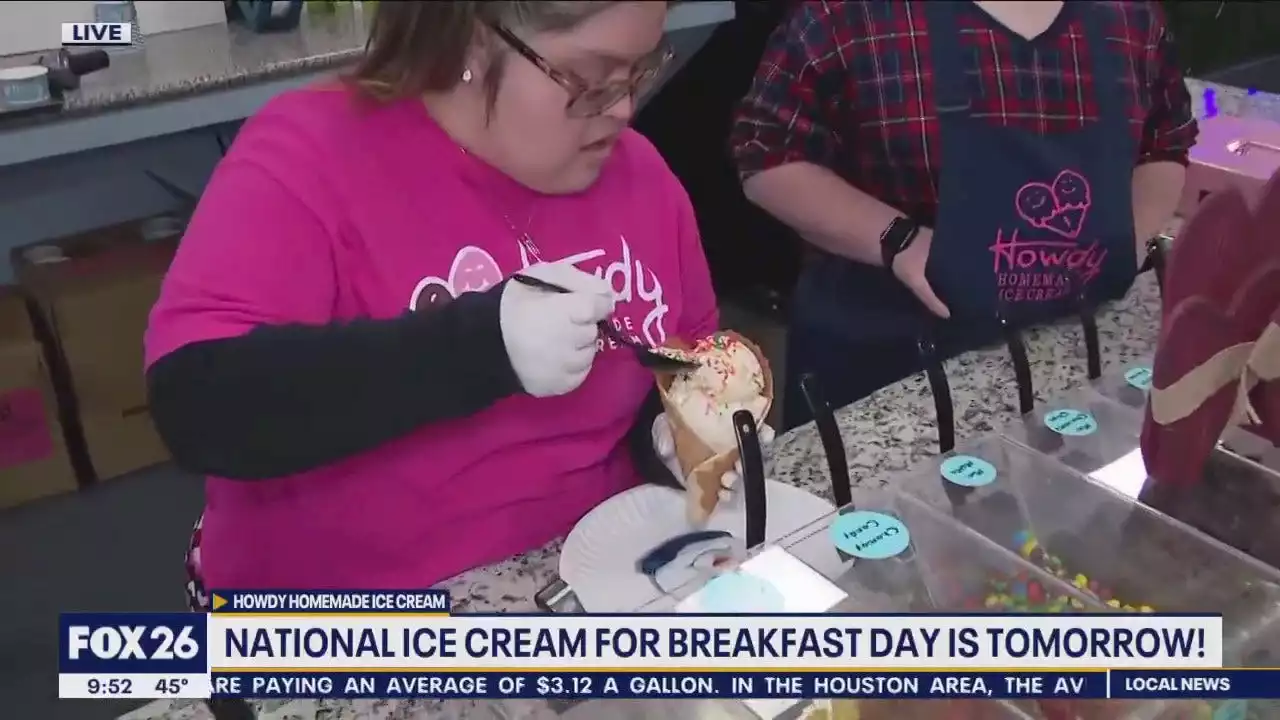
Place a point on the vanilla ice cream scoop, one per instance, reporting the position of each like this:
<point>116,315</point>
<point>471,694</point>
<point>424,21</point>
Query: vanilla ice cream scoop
<point>729,378</point>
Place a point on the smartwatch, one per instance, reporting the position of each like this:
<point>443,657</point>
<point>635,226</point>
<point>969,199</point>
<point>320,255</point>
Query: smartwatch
<point>1156,249</point>
<point>896,238</point>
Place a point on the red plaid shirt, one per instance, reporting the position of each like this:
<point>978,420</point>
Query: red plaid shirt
<point>847,85</point>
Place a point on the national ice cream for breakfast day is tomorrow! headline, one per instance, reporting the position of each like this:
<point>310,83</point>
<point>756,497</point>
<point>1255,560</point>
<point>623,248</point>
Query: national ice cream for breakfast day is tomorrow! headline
<point>362,639</point>
<point>356,645</point>
<point>690,642</point>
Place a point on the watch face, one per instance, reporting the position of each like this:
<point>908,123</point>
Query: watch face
<point>900,234</point>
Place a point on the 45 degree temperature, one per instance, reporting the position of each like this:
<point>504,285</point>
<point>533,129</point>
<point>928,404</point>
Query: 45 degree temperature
<point>170,686</point>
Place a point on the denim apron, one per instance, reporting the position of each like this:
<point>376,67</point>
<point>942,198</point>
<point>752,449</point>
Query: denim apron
<point>1028,226</point>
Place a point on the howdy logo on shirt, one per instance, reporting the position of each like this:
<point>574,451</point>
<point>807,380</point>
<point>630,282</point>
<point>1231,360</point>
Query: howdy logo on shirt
<point>475,270</point>
<point>1050,268</point>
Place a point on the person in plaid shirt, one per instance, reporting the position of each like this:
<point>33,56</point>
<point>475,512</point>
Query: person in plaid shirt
<point>957,164</point>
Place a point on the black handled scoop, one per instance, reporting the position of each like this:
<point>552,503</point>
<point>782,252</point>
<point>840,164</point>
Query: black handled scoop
<point>832,443</point>
<point>941,391</point>
<point>1021,365</point>
<point>1092,344</point>
<point>753,486</point>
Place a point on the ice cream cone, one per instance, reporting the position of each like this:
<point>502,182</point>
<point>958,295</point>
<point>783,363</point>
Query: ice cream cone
<point>702,465</point>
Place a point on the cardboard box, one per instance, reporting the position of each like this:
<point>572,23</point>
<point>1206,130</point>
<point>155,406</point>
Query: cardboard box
<point>1243,152</point>
<point>89,296</point>
<point>33,455</point>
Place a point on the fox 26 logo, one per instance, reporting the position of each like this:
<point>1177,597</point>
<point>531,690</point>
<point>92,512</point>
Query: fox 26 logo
<point>128,642</point>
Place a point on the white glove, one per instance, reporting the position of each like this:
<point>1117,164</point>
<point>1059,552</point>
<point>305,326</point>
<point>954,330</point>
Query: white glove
<point>664,444</point>
<point>551,337</point>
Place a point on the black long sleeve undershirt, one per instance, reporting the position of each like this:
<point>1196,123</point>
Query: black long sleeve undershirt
<point>281,400</point>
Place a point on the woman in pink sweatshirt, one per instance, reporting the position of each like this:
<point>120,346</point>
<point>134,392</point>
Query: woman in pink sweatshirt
<point>336,346</point>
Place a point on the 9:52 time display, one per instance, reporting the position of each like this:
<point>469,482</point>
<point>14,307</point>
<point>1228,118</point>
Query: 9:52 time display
<point>114,687</point>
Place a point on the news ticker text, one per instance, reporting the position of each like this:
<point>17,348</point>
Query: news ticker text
<point>585,685</point>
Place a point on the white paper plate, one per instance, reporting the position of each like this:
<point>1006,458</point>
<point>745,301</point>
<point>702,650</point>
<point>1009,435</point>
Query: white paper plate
<point>600,555</point>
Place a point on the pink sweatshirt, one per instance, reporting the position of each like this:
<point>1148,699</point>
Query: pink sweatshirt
<point>326,210</point>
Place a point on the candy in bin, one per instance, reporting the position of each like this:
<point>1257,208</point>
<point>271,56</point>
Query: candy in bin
<point>906,710</point>
<point>1121,709</point>
<point>1031,549</point>
<point>1021,593</point>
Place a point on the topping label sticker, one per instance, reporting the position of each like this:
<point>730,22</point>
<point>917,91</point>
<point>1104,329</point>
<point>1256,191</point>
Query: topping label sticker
<point>870,535</point>
<point>1138,377</point>
<point>968,471</point>
<point>1070,422</point>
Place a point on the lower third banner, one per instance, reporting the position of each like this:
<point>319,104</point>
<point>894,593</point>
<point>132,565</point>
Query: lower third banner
<point>665,685</point>
<point>1234,684</point>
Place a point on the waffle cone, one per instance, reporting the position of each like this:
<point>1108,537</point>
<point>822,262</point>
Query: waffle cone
<point>701,465</point>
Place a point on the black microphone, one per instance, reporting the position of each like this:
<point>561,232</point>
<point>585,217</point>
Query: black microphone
<point>65,69</point>
<point>90,61</point>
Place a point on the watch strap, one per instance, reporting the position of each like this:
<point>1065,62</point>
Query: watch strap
<point>897,237</point>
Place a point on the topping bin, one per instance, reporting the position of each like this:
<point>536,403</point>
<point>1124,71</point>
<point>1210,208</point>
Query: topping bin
<point>902,557</point>
<point>1043,519</point>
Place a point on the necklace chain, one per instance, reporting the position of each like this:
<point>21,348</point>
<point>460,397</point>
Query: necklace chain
<point>524,238</point>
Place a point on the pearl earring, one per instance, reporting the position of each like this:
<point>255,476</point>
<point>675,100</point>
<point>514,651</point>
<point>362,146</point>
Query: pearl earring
<point>466,75</point>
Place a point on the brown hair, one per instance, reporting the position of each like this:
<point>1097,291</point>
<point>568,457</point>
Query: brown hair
<point>420,47</point>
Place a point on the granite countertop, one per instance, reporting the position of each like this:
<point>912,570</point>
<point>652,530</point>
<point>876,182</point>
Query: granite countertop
<point>213,57</point>
<point>884,435</point>
<point>176,64</point>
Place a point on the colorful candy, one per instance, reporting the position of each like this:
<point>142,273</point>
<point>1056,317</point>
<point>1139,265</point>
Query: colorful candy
<point>1030,549</point>
<point>1021,593</point>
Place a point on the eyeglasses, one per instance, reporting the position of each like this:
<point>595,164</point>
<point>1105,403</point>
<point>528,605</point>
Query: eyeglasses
<point>586,100</point>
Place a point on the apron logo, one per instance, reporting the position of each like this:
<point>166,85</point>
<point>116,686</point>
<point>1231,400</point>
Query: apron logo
<point>1040,269</point>
<point>1060,207</point>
